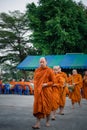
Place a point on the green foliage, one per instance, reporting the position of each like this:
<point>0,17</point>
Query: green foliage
<point>58,26</point>
<point>14,40</point>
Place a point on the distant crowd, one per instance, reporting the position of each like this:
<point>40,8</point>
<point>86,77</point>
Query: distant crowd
<point>21,87</point>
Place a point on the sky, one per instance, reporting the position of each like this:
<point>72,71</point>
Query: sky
<point>12,5</point>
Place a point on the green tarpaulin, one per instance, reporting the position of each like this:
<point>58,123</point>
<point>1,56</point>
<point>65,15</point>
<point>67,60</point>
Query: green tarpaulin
<point>68,61</point>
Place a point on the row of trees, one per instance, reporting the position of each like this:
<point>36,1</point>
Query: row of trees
<point>51,27</point>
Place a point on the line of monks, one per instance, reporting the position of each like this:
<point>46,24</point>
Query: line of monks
<point>17,87</point>
<point>51,86</point>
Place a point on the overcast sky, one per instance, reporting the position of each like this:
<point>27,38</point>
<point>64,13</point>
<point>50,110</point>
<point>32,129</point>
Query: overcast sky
<point>11,5</point>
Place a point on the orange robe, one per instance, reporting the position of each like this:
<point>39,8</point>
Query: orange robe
<point>43,95</point>
<point>0,83</point>
<point>56,91</point>
<point>75,95</point>
<point>29,86</point>
<point>84,89</point>
<point>13,83</point>
<point>69,80</point>
<point>21,83</point>
<point>63,94</point>
<point>64,75</point>
<point>63,91</point>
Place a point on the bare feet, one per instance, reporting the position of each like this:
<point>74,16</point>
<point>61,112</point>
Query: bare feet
<point>61,113</point>
<point>36,127</point>
<point>79,104</point>
<point>47,124</point>
<point>53,118</point>
<point>73,106</point>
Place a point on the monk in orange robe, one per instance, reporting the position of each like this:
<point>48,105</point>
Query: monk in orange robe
<point>56,94</point>
<point>84,88</point>
<point>12,83</point>
<point>63,90</point>
<point>69,78</point>
<point>1,86</point>
<point>28,83</point>
<point>62,74</point>
<point>0,81</point>
<point>43,81</point>
<point>63,93</point>
<point>76,82</point>
<point>21,82</point>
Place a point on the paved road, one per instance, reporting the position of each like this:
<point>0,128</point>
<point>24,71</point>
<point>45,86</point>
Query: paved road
<point>16,114</point>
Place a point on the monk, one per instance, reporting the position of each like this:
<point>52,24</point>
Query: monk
<point>1,86</point>
<point>84,89</point>
<point>63,91</point>
<point>12,83</point>
<point>69,77</point>
<point>76,81</point>
<point>56,94</point>
<point>62,74</point>
<point>43,81</point>
<point>28,84</point>
<point>63,94</point>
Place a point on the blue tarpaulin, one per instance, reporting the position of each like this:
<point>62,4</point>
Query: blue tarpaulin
<point>67,61</point>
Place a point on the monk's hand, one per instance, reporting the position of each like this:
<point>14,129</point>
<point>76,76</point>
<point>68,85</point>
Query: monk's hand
<point>54,85</point>
<point>44,85</point>
<point>74,84</point>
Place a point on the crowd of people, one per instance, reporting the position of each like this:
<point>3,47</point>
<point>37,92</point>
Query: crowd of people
<point>17,87</point>
<point>51,87</point>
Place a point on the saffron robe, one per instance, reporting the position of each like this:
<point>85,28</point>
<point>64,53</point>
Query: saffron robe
<point>84,89</point>
<point>43,95</point>
<point>75,95</point>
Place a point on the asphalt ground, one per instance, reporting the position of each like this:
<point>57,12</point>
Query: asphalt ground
<point>16,114</point>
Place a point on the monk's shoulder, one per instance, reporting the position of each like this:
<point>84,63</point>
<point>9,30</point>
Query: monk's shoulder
<point>38,69</point>
<point>49,70</point>
<point>79,75</point>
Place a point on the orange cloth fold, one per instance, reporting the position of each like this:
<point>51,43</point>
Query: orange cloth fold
<point>43,95</point>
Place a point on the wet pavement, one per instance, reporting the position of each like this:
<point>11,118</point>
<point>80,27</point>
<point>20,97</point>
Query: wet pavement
<point>16,114</point>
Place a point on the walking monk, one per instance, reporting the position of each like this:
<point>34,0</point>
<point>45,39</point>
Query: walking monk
<point>62,74</point>
<point>56,91</point>
<point>43,81</point>
<point>84,89</point>
<point>63,91</point>
<point>76,81</point>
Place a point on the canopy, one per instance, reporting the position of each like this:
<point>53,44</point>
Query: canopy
<point>68,61</point>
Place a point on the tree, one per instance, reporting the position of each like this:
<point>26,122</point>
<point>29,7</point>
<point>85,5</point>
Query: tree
<point>14,36</point>
<point>14,39</point>
<point>58,26</point>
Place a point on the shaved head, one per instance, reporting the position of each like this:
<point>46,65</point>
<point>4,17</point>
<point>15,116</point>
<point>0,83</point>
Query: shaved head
<point>43,58</point>
<point>55,69</point>
<point>43,62</point>
<point>59,68</point>
<point>74,71</point>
